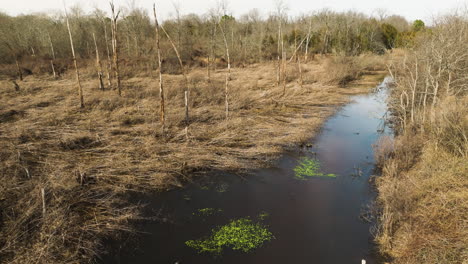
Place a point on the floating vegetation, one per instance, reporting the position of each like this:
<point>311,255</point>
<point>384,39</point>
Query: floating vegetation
<point>222,188</point>
<point>240,234</point>
<point>187,198</point>
<point>310,168</point>
<point>263,215</point>
<point>207,212</point>
<point>204,188</point>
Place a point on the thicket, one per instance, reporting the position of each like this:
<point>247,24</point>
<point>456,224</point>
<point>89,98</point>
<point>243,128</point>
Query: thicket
<point>199,39</point>
<point>423,191</point>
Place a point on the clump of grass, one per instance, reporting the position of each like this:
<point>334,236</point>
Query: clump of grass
<point>308,168</point>
<point>240,234</point>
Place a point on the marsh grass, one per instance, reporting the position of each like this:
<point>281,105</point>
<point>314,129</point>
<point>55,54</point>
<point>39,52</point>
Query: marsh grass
<point>87,160</point>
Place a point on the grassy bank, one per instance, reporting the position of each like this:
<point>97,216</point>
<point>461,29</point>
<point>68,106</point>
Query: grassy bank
<point>66,169</point>
<point>423,192</point>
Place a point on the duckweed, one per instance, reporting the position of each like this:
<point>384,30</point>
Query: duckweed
<point>241,234</point>
<point>309,168</point>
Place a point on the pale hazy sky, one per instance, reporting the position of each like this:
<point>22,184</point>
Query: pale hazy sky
<point>411,9</point>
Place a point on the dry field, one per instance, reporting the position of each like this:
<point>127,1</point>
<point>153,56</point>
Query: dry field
<point>86,160</point>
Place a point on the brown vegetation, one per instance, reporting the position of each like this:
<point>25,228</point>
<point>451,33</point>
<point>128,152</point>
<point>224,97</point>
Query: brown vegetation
<point>87,159</point>
<point>423,193</point>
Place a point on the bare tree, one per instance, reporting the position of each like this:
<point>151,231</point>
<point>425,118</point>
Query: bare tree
<point>228,73</point>
<point>109,61</point>
<point>115,46</point>
<point>184,73</point>
<point>98,64</point>
<point>161,88</point>
<point>53,56</point>
<point>80,89</point>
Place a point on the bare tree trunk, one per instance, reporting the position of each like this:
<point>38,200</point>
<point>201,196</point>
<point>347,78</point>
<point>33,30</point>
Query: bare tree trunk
<point>115,47</point>
<point>161,88</point>
<point>284,72</point>
<point>301,80</point>
<point>109,62</point>
<point>308,41</point>
<point>53,57</point>
<point>98,64</point>
<point>228,74</point>
<point>80,89</point>
<point>18,68</point>
<point>279,52</point>
<point>53,69</point>
<point>184,74</point>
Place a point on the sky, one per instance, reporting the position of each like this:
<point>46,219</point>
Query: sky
<point>410,9</point>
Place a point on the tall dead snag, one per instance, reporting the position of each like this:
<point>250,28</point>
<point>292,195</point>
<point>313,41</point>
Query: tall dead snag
<point>53,57</point>
<point>279,52</point>
<point>228,74</point>
<point>115,50</point>
<point>98,64</point>
<point>80,89</point>
<point>301,80</point>
<point>308,41</point>
<point>161,88</point>
<point>284,72</point>
<point>185,77</point>
<point>109,61</point>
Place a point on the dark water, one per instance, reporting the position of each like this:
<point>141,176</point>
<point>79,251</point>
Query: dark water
<point>313,221</point>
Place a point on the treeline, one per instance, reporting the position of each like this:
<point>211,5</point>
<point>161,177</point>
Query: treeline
<point>251,37</point>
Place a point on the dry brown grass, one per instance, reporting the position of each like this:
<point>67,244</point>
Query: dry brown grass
<point>88,159</point>
<point>423,193</point>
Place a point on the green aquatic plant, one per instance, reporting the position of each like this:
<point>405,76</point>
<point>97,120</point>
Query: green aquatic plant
<point>308,167</point>
<point>240,234</point>
<point>263,215</point>
<point>207,211</point>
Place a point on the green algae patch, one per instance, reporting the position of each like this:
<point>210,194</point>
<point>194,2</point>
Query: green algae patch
<point>308,168</point>
<point>207,212</point>
<point>240,234</point>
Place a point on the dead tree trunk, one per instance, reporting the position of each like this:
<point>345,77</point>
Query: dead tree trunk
<point>80,89</point>
<point>18,69</point>
<point>284,72</point>
<point>279,52</point>
<point>308,41</point>
<point>228,74</point>
<point>115,47</point>
<point>98,64</point>
<point>183,73</point>
<point>109,62</point>
<point>53,57</point>
<point>161,88</point>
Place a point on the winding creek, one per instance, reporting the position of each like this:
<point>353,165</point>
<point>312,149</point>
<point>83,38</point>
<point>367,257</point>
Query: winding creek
<point>313,213</point>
